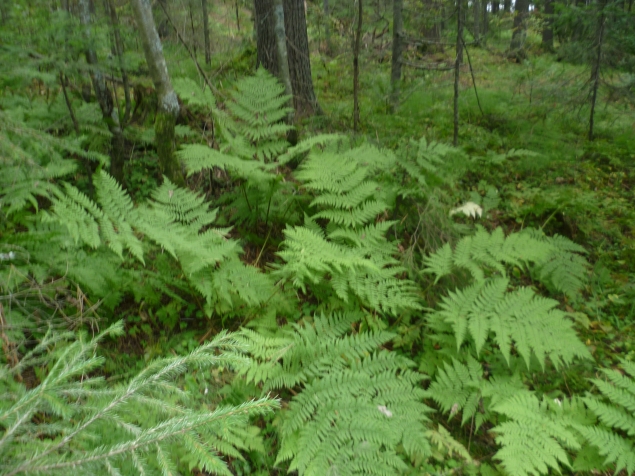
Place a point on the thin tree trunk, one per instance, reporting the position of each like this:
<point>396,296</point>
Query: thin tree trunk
<point>397,49</point>
<point>595,72</point>
<point>168,104</point>
<point>507,6</point>
<point>208,52</point>
<point>237,16</point>
<point>327,26</point>
<point>485,17</point>
<point>519,34</point>
<point>68,103</point>
<point>495,7</point>
<point>547,27</point>
<point>283,56</point>
<point>114,23</point>
<point>476,7</point>
<point>457,67</point>
<point>356,48</point>
<point>109,113</point>
<point>191,13</point>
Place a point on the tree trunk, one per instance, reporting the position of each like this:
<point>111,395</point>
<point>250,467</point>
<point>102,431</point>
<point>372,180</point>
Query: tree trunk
<point>104,97</point>
<point>304,100</point>
<point>547,27</point>
<point>397,49</point>
<point>208,52</point>
<point>476,7</point>
<point>485,18</point>
<point>327,26</point>
<point>595,71</point>
<point>356,48</point>
<point>114,22</point>
<point>495,7</point>
<point>168,104</point>
<point>507,6</point>
<point>457,67</point>
<point>519,34</point>
<point>283,56</point>
<point>433,26</point>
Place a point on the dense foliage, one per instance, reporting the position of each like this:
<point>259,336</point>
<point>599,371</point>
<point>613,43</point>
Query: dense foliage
<point>379,303</point>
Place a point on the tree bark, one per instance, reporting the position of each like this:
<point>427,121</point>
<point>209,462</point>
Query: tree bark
<point>327,26</point>
<point>595,71</point>
<point>114,23</point>
<point>168,104</point>
<point>283,56</point>
<point>457,67</point>
<point>356,48</point>
<point>519,34</point>
<point>476,7</point>
<point>547,26</point>
<point>104,97</point>
<point>495,7</point>
<point>507,6</point>
<point>485,18</point>
<point>397,49</point>
<point>208,52</point>
<point>304,100</point>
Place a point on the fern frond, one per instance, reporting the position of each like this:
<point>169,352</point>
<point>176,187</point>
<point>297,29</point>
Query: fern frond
<point>538,435</point>
<point>520,317</point>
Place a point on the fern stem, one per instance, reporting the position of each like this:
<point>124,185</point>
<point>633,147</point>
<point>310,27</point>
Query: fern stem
<point>263,246</point>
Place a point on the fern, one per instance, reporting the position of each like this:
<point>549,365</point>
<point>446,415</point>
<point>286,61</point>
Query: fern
<point>352,253</point>
<point>356,406</point>
<point>615,439</point>
<point>529,323</point>
<point>537,438</point>
<point>556,260</point>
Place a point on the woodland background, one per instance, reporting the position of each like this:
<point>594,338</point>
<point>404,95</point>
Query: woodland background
<point>317,238</point>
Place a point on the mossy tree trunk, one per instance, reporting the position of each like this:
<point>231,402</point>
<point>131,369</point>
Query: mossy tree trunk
<point>397,49</point>
<point>104,96</point>
<point>168,104</point>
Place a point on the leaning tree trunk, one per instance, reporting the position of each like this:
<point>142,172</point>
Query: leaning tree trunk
<point>168,107</point>
<point>519,34</point>
<point>304,100</point>
<point>595,72</point>
<point>547,27</point>
<point>104,97</point>
<point>356,48</point>
<point>457,67</point>
<point>397,49</point>
<point>208,53</point>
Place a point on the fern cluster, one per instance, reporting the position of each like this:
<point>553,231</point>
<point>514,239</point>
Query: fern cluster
<point>351,250</point>
<point>355,409</point>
